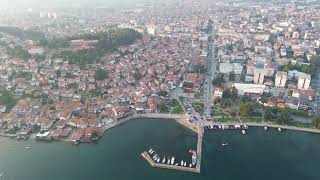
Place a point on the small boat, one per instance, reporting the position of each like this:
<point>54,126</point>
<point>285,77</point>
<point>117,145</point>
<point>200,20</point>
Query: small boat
<point>243,132</point>
<point>151,151</point>
<point>190,165</point>
<point>211,127</point>
<point>169,160</point>
<point>181,163</point>
<point>225,144</point>
<point>172,160</point>
<point>265,128</point>
<point>176,164</point>
<point>279,129</point>
<point>164,160</point>
<point>185,164</point>
<point>158,160</point>
<point>28,147</point>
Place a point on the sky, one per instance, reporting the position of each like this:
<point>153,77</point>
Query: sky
<point>64,3</point>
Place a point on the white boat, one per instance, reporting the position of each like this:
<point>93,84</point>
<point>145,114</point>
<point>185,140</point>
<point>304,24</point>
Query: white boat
<point>185,164</point>
<point>190,165</point>
<point>225,144</point>
<point>222,127</point>
<point>243,132</point>
<point>158,160</point>
<point>211,127</point>
<point>169,160</point>
<point>181,163</point>
<point>164,160</point>
<point>279,129</point>
<point>172,160</point>
<point>176,164</point>
<point>28,147</point>
<point>237,126</point>
<point>265,128</point>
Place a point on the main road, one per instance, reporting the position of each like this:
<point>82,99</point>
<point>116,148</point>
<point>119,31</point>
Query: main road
<point>211,71</point>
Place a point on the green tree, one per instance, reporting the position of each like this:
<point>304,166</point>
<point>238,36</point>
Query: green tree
<point>162,93</point>
<point>232,76</point>
<point>316,121</point>
<point>101,74</point>
<point>219,79</point>
<point>246,109</point>
<point>283,116</point>
<point>94,135</point>
<point>187,85</point>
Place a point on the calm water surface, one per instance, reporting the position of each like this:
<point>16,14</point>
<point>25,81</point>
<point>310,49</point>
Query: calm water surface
<point>260,154</point>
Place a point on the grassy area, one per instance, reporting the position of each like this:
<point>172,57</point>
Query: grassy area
<point>177,110</point>
<point>173,103</point>
<point>172,106</point>
<point>198,107</point>
<point>299,124</point>
<point>164,108</point>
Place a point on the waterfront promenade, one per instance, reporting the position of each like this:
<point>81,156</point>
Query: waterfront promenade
<point>253,124</point>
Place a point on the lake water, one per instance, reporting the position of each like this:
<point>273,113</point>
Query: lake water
<point>260,154</point>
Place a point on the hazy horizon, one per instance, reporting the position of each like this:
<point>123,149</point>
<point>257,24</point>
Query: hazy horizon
<point>66,3</point>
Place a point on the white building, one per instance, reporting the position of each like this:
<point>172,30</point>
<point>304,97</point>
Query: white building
<point>151,30</point>
<point>304,81</point>
<point>281,79</point>
<point>227,68</point>
<point>249,88</point>
<point>258,77</point>
<point>218,92</point>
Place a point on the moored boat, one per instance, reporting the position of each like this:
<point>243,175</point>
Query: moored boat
<point>243,132</point>
<point>172,160</point>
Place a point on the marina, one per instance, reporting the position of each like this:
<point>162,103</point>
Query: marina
<point>194,166</point>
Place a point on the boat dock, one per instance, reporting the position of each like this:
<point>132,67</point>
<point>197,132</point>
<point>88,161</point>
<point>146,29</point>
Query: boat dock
<point>147,157</point>
<point>195,169</point>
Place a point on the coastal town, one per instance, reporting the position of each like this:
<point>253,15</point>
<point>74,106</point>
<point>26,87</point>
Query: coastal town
<point>72,75</point>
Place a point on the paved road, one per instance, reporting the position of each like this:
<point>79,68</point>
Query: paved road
<point>211,70</point>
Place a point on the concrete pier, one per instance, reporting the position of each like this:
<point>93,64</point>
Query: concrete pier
<point>146,156</point>
<point>199,147</point>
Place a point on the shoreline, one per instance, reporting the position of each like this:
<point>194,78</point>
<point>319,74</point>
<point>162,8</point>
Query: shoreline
<point>182,120</point>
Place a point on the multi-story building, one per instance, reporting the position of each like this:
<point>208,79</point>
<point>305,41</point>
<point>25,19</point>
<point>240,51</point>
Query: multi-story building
<point>258,77</point>
<point>304,81</point>
<point>281,79</point>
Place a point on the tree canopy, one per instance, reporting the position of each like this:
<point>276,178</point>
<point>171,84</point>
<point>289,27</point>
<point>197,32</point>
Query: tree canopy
<point>101,74</point>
